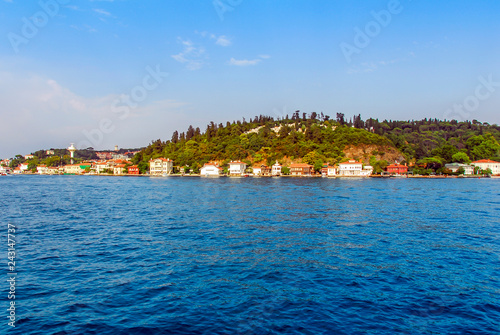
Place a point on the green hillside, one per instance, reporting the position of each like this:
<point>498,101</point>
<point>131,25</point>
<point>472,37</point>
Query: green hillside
<point>318,140</point>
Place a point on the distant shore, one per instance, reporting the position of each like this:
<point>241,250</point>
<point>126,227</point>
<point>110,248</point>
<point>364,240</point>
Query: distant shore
<point>273,177</point>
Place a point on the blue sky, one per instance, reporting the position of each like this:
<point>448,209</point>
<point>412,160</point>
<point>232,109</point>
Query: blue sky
<point>68,67</point>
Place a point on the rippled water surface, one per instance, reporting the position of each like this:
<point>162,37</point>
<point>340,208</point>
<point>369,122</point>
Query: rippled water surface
<point>105,255</point>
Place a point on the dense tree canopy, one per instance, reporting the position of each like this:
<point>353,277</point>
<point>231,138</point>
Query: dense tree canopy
<point>316,139</point>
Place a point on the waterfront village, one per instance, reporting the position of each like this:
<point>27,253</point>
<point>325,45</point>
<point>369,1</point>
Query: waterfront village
<point>119,165</point>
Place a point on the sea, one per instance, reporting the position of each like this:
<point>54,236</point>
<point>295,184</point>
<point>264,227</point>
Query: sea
<point>185,255</point>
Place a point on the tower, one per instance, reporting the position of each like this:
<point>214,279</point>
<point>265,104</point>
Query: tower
<point>72,150</point>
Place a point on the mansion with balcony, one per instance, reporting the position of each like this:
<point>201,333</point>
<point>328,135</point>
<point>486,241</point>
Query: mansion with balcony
<point>301,169</point>
<point>485,164</point>
<point>160,166</point>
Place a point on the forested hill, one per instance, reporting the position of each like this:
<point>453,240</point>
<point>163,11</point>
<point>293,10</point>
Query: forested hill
<point>317,139</point>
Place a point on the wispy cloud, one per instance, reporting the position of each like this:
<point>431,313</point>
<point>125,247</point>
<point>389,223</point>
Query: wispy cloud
<point>85,27</point>
<point>221,40</point>
<point>192,56</point>
<point>102,12</point>
<point>367,67</point>
<point>248,62</point>
<point>244,62</point>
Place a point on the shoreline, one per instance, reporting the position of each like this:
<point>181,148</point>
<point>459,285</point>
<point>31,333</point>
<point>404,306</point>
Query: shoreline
<point>270,177</point>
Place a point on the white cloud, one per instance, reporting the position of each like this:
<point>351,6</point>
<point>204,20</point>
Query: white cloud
<point>244,62</point>
<point>102,12</point>
<point>223,41</point>
<point>192,56</point>
<point>248,62</point>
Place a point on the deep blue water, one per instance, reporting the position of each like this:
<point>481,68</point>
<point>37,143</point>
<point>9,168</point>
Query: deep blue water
<point>106,255</point>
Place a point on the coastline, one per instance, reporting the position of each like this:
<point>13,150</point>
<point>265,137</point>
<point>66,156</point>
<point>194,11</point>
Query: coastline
<point>270,177</point>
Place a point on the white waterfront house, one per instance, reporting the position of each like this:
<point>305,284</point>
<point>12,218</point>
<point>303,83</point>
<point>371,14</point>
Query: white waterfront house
<point>74,169</point>
<point>367,171</point>
<point>42,169</point>
<point>118,169</point>
<point>351,168</point>
<point>210,169</point>
<point>485,164</point>
<point>453,167</point>
<point>276,169</point>
<point>52,170</point>
<point>5,169</point>
<point>261,170</point>
<point>237,168</point>
<point>160,166</point>
<point>101,166</point>
<point>23,167</point>
<point>332,171</point>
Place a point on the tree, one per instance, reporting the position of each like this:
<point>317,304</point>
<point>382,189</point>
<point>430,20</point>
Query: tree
<point>378,166</point>
<point>175,137</point>
<point>483,146</point>
<point>460,157</point>
<point>32,165</point>
<point>190,133</point>
<point>318,164</point>
<point>433,163</point>
<point>313,158</point>
<point>358,123</point>
<point>143,167</point>
<point>340,118</point>
<point>447,151</point>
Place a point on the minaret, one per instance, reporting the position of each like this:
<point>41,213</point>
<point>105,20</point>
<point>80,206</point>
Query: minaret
<point>72,150</point>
